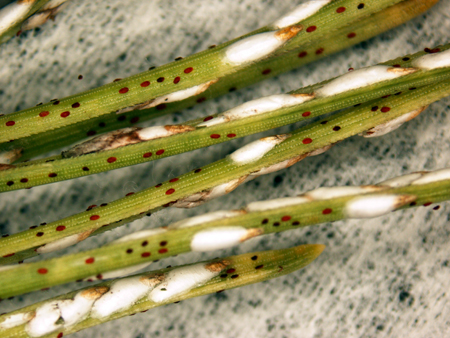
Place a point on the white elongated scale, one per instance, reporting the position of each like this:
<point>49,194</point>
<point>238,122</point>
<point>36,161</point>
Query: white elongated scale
<point>122,295</point>
<point>13,14</point>
<point>401,181</point>
<point>385,128</point>
<point>221,238</point>
<point>275,204</point>
<point>258,46</point>
<point>361,78</point>
<point>325,193</point>
<point>140,234</point>
<point>119,272</point>
<point>374,206</point>
<point>212,216</point>
<point>181,280</point>
<point>433,61</point>
<point>152,133</point>
<point>75,310</point>
<point>276,167</point>
<point>52,4</point>
<point>257,107</point>
<point>224,188</point>
<point>63,242</point>
<point>434,176</point>
<point>256,150</point>
<point>16,320</point>
<point>36,20</point>
<point>44,322</point>
<point>301,13</point>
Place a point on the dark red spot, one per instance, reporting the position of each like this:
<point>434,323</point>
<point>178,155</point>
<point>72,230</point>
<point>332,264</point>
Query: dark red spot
<point>85,169</point>
<point>265,221</point>
<point>42,271</point>
<point>129,194</point>
<point>188,70</point>
<point>412,88</point>
<point>375,108</point>
<point>174,179</point>
<point>65,114</point>
<point>76,105</point>
<point>40,234</point>
<point>302,54</point>
<point>80,77</point>
<point>163,243</point>
<point>276,224</point>
<point>351,35</point>
<point>170,191</point>
<point>129,251</point>
<point>437,207</point>
<point>413,204</point>
<point>306,114</point>
<point>33,227</point>
<point>385,109</point>
<point>52,175</point>
<point>162,251</point>
<point>259,267</point>
<point>145,84</point>
<point>160,152</point>
<point>235,276</point>
<point>111,160</point>
<point>396,66</point>
<point>9,255</point>
<point>324,122</point>
<point>311,29</point>
<point>91,133</point>
<point>90,260</point>
<point>427,204</point>
<point>319,51</point>
<point>123,90</point>
<point>160,79</point>
<point>336,128</point>
<point>117,80</point>
<point>147,155</point>
<point>201,99</point>
<point>44,113</point>
<point>327,211</point>
<point>161,106</point>
<point>94,217</point>
<point>307,140</point>
<point>121,118</point>
<point>158,185</point>
<point>135,119</point>
<point>286,218</point>
<point>385,96</point>
<point>214,136</point>
<point>197,170</point>
<point>406,59</point>
<point>60,228</point>
<point>296,223</point>
<point>361,6</point>
<point>61,334</point>
<point>351,69</point>
<point>24,180</point>
<point>144,243</point>
<point>176,80</point>
<point>340,10</point>
<point>231,270</point>
<point>254,258</point>
<point>56,103</point>
<point>10,123</point>
<point>224,275</point>
<point>266,71</point>
<point>399,93</point>
<point>207,118</point>
<point>231,135</point>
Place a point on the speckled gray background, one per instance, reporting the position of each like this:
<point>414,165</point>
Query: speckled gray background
<point>386,277</point>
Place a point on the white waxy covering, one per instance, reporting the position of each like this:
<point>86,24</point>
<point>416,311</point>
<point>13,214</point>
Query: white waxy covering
<point>434,176</point>
<point>122,295</point>
<point>58,244</point>
<point>362,78</point>
<point>181,280</point>
<point>212,216</point>
<point>16,320</point>
<point>401,181</point>
<point>221,238</point>
<point>385,128</point>
<point>301,12</point>
<point>52,4</point>
<point>336,192</point>
<point>13,14</point>
<point>152,133</point>
<point>256,150</point>
<point>140,234</point>
<point>119,272</point>
<point>276,203</point>
<point>8,157</point>
<point>257,107</point>
<point>45,320</point>
<point>258,46</point>
<point>433,61</point>
<point>374,206</point>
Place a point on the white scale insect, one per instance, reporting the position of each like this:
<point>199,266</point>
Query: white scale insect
<point>301,13</point>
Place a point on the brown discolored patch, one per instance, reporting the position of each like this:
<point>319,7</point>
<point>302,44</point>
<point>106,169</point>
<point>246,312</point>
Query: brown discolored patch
<point>288,33</point>
<point>251,233</point>
<point>6,166</point>
<point>177,129</point>
<point>307,96</point>
<point>82,236</point>
<point>94,293</point>
<point>11,155</point>
<point>402,71</point>
<point>402,200</point>
<point>152,280</point>
<point>320,150</point>
<point>217,266</point>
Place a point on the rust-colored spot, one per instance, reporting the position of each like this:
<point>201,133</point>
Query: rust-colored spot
<point>42,271</point>
<point>288,32</point>
<point>311,29</point>
<point>188,70</point>
<point>145,84</point>
<point>65,114</point>
<point>95,292</point>
<point>327,211</point>
<point>163,250</point>
<point>44,113</point>
<point>286,218</point>
<point>123,90</point>
<point>90,260</point>
<point>217,266</point>
<point>94,217</point>
<point>60,228</point>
